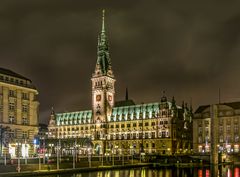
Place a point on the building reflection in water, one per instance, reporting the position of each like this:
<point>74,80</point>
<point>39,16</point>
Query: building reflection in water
<point>214,171</point>
<point>131,173</point>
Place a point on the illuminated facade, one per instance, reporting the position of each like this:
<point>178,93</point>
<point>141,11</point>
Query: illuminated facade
<point>124,127</point>
<point>227,131</point>
<point>18,114</point>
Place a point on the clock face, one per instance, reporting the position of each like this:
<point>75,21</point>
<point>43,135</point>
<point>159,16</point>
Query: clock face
<point>109,98</point>
<point>98,98</point>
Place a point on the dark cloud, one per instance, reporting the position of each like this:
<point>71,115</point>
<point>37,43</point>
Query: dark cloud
<point>186,48</point>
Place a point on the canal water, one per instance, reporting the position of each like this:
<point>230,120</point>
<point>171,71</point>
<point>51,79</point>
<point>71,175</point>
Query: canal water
<point>223,171</point>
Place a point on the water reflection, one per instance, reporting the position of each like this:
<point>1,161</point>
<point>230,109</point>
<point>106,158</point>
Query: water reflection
<point>213,171</point>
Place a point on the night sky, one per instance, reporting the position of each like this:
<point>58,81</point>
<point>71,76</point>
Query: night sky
<point>186,48</point>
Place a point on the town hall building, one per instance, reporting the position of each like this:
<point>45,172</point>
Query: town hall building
<point>122,127</point>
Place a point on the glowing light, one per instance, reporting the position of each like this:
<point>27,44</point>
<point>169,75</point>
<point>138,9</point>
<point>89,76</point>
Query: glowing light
<point>229,173</point>
<point>236,172</point>
<point>207,173</point>
<point>199,173</point>
<point>25,150</point>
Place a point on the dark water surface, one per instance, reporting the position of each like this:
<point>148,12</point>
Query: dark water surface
<point>222,171</point>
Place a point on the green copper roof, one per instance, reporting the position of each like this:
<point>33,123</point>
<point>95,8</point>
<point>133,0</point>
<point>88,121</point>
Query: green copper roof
<point>123,113</point>
<point>74,118</point>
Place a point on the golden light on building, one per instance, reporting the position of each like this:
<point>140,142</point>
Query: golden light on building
<point>18,114</point>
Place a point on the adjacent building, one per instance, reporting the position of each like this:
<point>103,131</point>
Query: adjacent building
<point>228,122</point>
<point>18,114</point>
<point>122,127</point>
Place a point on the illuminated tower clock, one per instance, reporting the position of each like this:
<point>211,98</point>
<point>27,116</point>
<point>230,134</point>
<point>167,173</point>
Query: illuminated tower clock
<point>103,90</point>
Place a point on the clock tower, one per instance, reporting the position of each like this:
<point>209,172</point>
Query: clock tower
<point>103,90</point>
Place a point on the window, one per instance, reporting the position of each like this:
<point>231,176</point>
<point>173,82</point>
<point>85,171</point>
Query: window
<point>153,145</point>
<point>200,130</point>
<point>122,126</point>
<point>11,119</point>
<point>153,123</point>
<point>128,125</point>
<point>220,129</point>
<point>206,122</point>
<point>11,134</point>
<point>200,139</point>
<point>140,124</point>
<point>11,93</point>
<point>24,121</point>
<point>207,131</point>
<point>117,126</point>
<point>228,128</point>
<point>112,126</point>
<point>153,134</point>
<point>134,124</point>
<point>25,96</point>
<point>220,121</point>
<point>11,106</point>
<point>24,108</point>
<point>24,134</point>
<point>146,123</point>
<point>163,134</point>
<point>236,138</point>
<point>235,128</point>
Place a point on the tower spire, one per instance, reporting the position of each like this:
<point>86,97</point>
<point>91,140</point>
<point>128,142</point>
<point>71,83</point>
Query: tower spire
<point>103,21</point>
<point>103,65</point>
